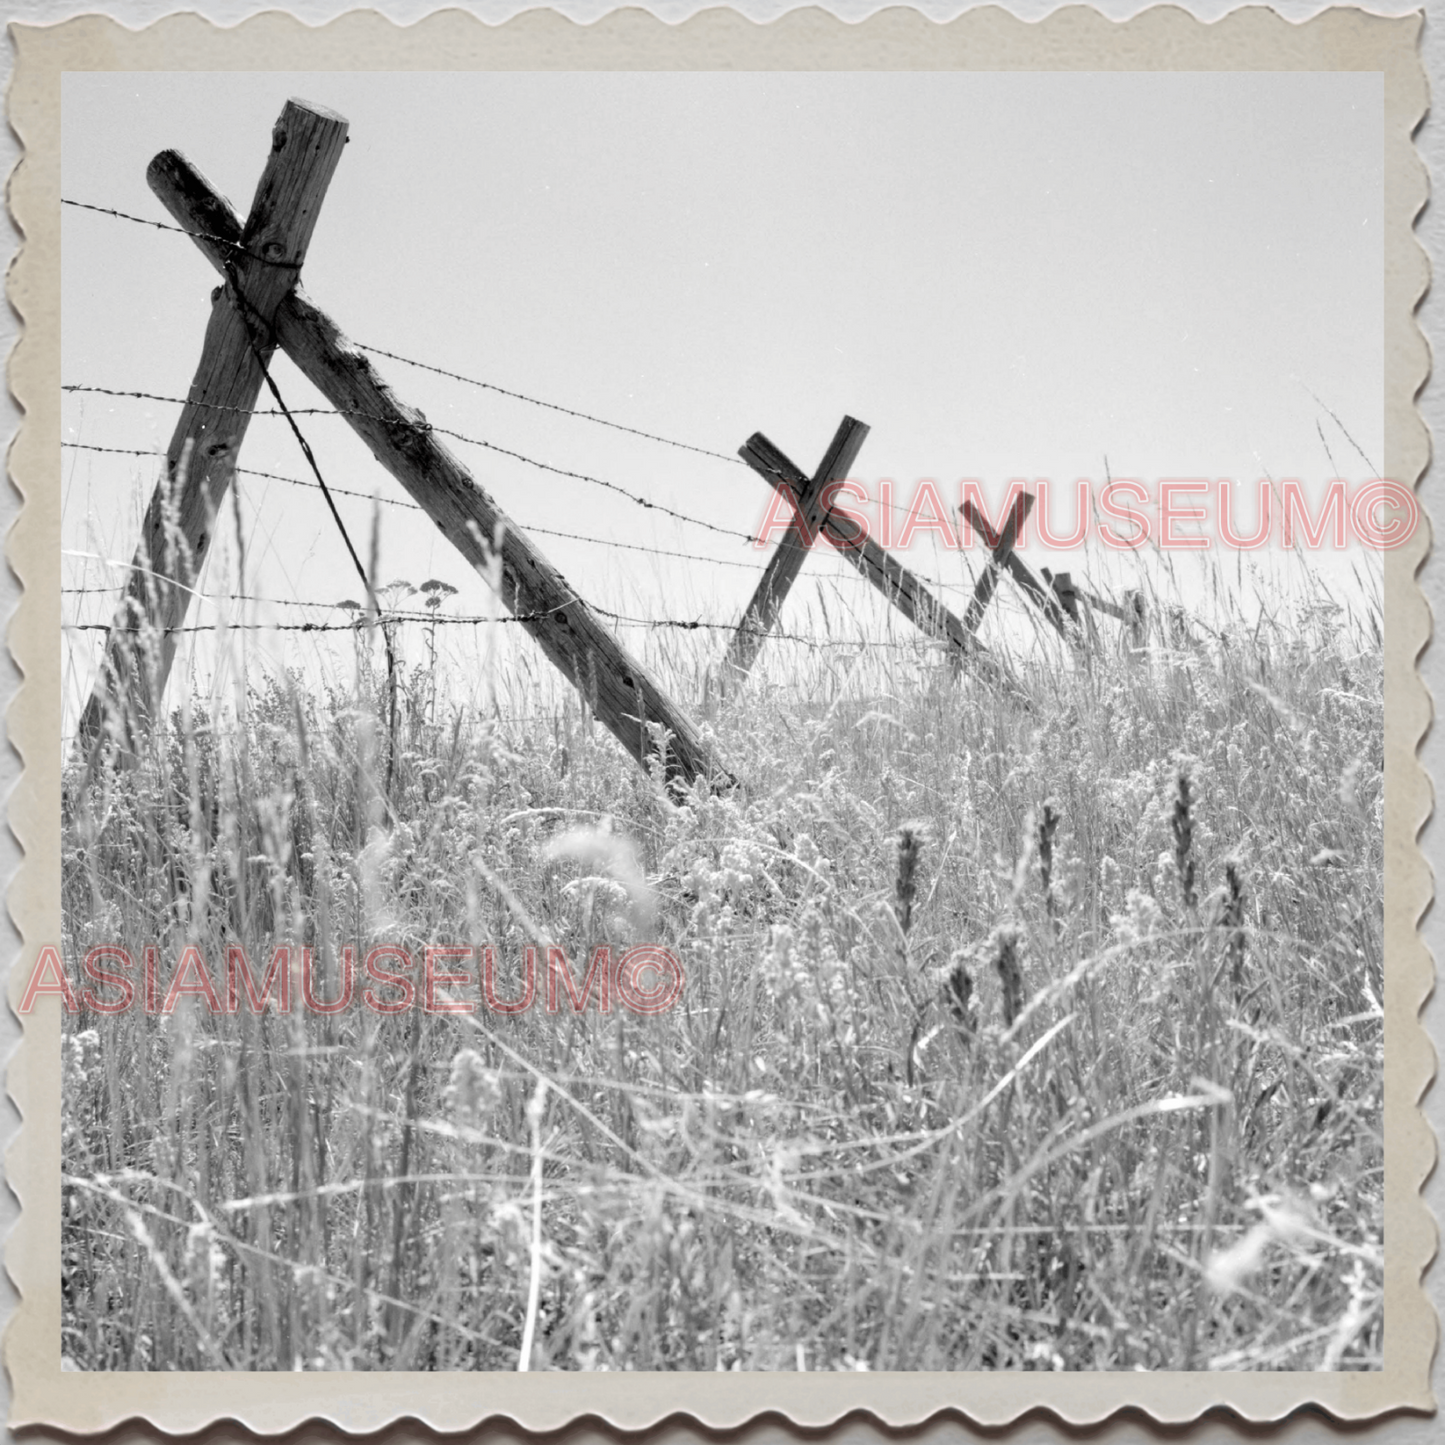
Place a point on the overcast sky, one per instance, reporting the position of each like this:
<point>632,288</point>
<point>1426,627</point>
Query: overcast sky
<point>1003,275</point>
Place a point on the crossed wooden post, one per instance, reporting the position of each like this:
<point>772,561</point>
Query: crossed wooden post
<point>788,558</point>
<point>261,263</point>
<point>264,260</point>
<point>901,587</point>
<point>1048,600</point>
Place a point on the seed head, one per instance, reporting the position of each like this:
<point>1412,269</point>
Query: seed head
<point>958,995</point>
<point>910,846</point>
<point>1048,826</point>
<point>1233,921</point>
<point>1184,841</point>
<point>1011,976</point>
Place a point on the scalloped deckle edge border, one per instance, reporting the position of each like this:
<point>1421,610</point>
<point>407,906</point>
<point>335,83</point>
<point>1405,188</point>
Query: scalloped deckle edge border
<point>1163,38</point>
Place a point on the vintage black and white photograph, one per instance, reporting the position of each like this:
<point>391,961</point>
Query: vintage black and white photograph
<point>723,721</point>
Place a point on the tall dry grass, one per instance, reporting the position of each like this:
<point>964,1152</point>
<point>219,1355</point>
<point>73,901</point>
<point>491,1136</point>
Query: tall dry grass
<point>1015,1035</point>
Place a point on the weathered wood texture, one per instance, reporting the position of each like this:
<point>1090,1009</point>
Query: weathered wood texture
<point>900,586</point>
<point>1004,556</point>
<point>264,260</point>
<point>792,551</point>
<point>620,691</point>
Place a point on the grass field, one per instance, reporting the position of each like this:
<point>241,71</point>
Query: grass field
<point>1036,1033</point>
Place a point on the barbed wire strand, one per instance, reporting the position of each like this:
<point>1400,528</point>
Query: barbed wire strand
<point>920,644</point>
<point>936,583</point>
<point>426,426</point>
<point>454,375</point>
<point>232,246</point>
<point>550,405</point>
<point>409,506</point>
<point>411,361</point>
<point>747,537</point>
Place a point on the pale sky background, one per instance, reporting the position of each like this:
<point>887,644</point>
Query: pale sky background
<point>1006,276</point>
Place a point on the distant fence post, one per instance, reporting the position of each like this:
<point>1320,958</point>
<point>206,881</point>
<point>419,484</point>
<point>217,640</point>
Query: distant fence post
<point>1134,614</point>
<point>264,260</point>
<point>622,693</point>
<point>1003,555</point>
<point>902,588</point>
<point>788,558</point>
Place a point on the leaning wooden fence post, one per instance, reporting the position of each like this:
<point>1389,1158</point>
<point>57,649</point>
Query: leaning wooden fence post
<point>263,259</point>
<point>788,558</point>
<point>623,695</point>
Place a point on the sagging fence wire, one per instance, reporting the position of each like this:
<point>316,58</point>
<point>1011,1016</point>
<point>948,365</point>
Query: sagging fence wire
<point>541,531</point>
<point>445,619</point>
<point>414,507</point>
<point>250,317</point>
<point>231,246</point>
<point>443,371</point>
<point>427,426</point>
<point>390,616</point>
<point>494,387</point>
<point>433,618</point>
<point>549,405</point>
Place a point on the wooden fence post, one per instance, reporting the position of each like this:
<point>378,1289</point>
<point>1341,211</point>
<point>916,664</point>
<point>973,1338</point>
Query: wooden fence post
<point>622,693</point>
<point>788,558</point>
<point>263,260</point>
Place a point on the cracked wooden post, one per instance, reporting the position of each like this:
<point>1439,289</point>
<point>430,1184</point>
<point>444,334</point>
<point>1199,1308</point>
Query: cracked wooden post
<point>791,552</point>
<point>623,694</point>
<point>264,259</point>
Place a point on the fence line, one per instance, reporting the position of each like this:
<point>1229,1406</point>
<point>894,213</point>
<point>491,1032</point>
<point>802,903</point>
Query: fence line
<point>442,371</point>
<point>404,505</point>
<point>231,248</point>
<point>429,619</point>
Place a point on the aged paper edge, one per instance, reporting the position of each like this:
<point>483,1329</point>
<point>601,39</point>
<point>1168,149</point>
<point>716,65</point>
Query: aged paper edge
<point>896,39</point>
